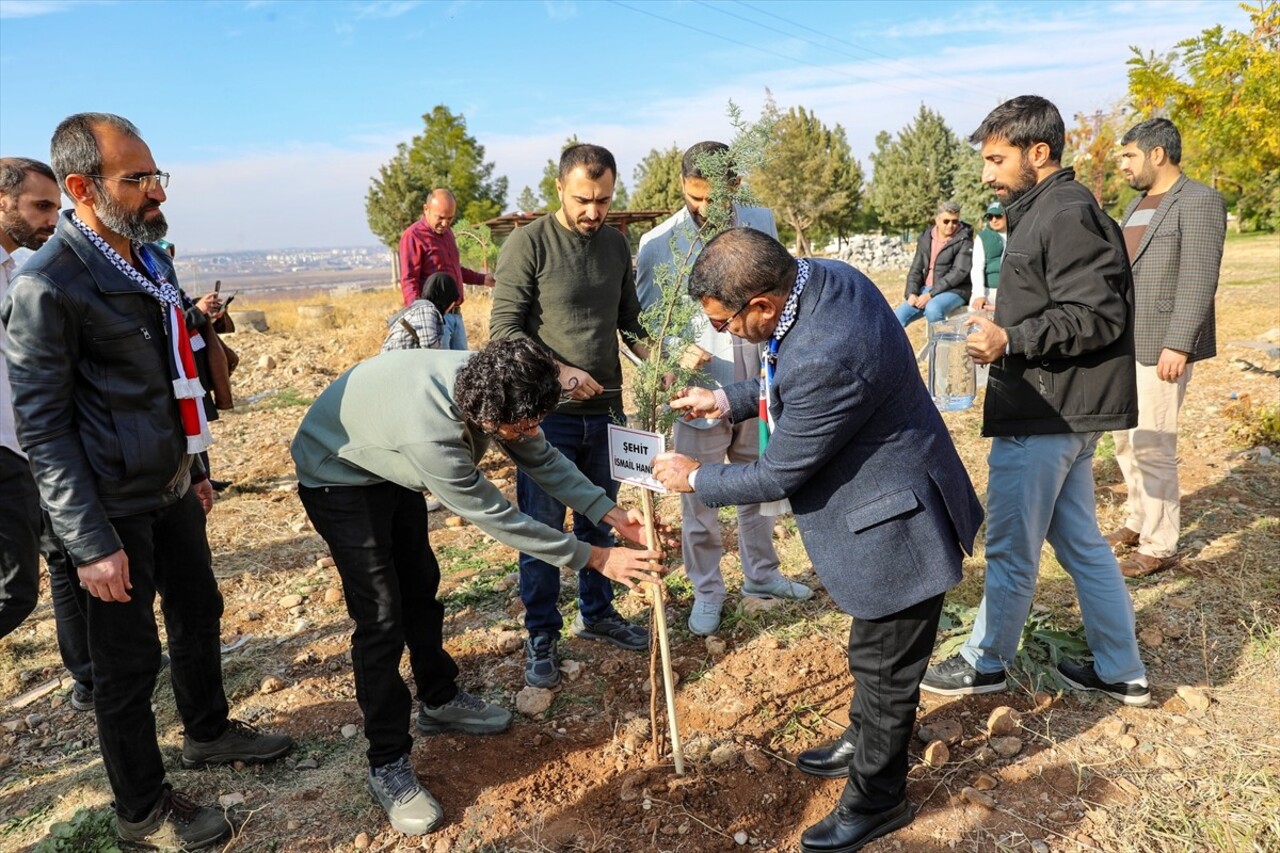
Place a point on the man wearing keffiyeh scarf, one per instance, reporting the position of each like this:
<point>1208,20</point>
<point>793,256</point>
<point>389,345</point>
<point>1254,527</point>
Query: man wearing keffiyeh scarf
<point>107,404</point>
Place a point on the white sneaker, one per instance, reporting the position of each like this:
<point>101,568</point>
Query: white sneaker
<point>704,618</point>
<point>779,587</point>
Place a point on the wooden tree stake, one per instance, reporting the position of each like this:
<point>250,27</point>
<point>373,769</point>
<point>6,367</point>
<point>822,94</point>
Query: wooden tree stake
<point>660,627</point>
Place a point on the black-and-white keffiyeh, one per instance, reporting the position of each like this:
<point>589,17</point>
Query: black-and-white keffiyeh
<point>187,389</point>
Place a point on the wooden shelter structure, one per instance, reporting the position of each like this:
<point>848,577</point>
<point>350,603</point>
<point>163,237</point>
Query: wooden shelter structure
<point>501,226</point>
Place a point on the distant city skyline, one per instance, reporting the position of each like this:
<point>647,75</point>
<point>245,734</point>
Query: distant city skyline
<point>273,116</point>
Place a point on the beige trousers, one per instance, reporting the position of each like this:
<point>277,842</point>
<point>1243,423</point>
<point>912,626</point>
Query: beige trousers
<point>700,536</point>
<point>1148,458</point>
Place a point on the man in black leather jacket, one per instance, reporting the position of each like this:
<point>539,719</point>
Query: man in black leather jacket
<point>108,417</point>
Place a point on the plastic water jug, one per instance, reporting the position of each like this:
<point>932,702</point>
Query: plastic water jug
<point>952,378</point>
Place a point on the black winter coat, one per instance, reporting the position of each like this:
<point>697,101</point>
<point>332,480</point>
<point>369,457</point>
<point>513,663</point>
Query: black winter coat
<point>950,270</point>
<point>1066,303</point>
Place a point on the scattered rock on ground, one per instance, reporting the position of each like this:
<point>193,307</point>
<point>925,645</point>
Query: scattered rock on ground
<point>978,798</point>
<point>229,800</point>
<point>289,601</point>
<point>534,701</point>
<point>947,731</point>
<point>350,730</point>
<point>271,684</point>
<point>752,605</point>
<point>1006,747</point>
<point>1197,698</point>
<point>571,669</point>
<point>1002,721</point>
<point>716,647</point>
<point>936,754</point>
<point>724,755</point>
<point>985,782</point>
<point>756,760</point>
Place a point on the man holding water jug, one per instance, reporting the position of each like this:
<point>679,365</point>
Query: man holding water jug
<point>1061,355</point>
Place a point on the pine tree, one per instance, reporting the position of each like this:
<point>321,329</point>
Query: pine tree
<point>809,176</point>
<point>915,171</point>
<point>658,180</point>
<point>443,155</point>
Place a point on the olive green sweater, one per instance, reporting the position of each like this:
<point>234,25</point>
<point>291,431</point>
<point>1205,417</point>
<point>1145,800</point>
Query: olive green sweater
<point>572,294</point>
<point>392,419</point>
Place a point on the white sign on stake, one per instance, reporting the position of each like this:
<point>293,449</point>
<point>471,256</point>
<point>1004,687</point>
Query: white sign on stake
<point>631,453</point>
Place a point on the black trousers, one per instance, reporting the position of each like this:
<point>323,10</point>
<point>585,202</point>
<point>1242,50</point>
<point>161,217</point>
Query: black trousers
<point>19,541</point>
<point>377,536</point>
<point>887,658</point>
<point>69,605</point>
<point>168,555</point>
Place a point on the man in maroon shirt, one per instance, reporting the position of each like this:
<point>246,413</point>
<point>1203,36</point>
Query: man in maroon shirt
<point>428,246</point>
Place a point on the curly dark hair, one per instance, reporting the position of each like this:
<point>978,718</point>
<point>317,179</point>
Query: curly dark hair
<point>507,382</point>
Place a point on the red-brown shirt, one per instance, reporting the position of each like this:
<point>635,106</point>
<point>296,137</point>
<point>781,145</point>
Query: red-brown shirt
<point>423,252</point>
<point>1136,226</point>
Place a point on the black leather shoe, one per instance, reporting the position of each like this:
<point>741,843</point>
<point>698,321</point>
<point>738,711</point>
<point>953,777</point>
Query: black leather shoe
<point>830,761</point>
<point>844,831</point>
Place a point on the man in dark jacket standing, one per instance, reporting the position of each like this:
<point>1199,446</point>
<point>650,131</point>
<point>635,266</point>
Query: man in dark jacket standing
<point>938,281</point>
<point>1061,356</point>
<point>107,408</point>
<point>881,498</point>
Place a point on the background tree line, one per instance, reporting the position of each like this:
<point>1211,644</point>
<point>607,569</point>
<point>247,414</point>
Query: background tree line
<point>1221,88</point>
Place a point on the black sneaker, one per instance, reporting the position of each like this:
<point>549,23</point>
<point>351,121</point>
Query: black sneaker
<point>175,823</point>
<point>1081,676</point>
<point>463,713</point>
<point>955,677</point>
<point>240,742</point>
<point>612,629</point>
<point>81,697</point>
<point>541,663</point>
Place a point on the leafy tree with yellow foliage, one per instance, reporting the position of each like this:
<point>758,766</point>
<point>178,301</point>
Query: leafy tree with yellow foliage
<point>1222,89</point>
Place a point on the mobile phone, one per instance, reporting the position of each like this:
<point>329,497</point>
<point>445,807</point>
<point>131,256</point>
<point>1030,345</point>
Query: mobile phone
<point>217,285</point>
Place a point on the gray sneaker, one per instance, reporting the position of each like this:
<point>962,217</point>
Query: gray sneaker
<point>410,807</point>
<point>240,742</point>
<point>612,629</point>
<point>541,661</point>
<point>779,587</point>
<point>463,713</point>
<point>704,617</point>
<point>175,823</point>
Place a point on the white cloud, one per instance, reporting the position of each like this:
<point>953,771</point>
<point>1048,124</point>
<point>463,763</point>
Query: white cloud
<point>36,8</point>
<point>560,10</point>
<point>307,195</point>
<point>385,8</point>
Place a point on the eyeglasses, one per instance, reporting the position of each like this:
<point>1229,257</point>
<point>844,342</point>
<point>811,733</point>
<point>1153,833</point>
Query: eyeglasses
<point>991,216</point>
<point>146,183</point>
<point>721,325</point>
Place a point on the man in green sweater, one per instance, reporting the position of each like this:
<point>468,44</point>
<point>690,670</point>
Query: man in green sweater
<point>389,428</point>
<point>565,280</point>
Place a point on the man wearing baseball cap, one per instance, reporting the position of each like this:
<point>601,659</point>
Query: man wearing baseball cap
<point>988,252</point>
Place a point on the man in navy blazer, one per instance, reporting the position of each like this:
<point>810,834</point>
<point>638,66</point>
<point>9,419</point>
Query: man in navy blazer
<point>884,505</point>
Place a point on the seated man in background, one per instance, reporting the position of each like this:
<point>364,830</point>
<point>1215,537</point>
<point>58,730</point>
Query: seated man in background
<point>938,281</point>
<point>362,466</point>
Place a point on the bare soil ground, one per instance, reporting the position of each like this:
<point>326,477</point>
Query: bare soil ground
<point>1195,771</point>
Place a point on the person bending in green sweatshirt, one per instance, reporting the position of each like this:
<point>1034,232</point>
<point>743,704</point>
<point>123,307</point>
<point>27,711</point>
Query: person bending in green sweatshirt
<point>391,427</point>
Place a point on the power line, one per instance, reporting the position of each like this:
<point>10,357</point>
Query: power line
<point>913,70</point>
<point>827,68</point>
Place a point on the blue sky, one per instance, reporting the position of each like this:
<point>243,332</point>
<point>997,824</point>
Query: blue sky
<point>272,115</point>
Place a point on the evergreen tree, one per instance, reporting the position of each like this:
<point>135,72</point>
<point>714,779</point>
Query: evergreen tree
<point>658,180</point>
<point>809,176</point>
<point>528,202</point>
<point>443,155</point>
<point>914,172</point>
<point>550,173</point>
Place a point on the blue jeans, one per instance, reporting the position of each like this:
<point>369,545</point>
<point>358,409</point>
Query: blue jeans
<point>456,330</point>
<point>1041,488</point>
<point>584,441</point>
<point>936,310</point>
